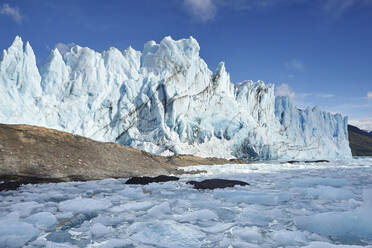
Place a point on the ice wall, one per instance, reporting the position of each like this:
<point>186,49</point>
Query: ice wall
<point>164,100</point>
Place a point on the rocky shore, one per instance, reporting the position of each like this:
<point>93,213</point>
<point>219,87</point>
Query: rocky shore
<point>31,154</point>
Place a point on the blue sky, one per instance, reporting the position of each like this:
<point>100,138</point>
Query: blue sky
<point>319,52</point>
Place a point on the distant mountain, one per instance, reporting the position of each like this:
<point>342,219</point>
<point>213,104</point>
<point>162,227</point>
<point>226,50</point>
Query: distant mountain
<point>360,141</point>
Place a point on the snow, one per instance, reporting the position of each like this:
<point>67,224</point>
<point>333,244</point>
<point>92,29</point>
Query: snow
<point>286,205</point>
<point>164,100</point>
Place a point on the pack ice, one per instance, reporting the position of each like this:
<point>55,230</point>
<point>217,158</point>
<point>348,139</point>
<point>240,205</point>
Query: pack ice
<point>312,205</point>
<point>164,100</point>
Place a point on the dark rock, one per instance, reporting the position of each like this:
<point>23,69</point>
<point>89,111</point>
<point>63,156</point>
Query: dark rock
<point>40,154</point>
<point>14,182</point>
<point>147,180</point>
<point>307,161</point>
<point>292,162</point>
<point>360,141</point>
<point>317,161</point>
<point>216,184</point>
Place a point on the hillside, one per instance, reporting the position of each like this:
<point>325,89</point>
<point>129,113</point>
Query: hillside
<point>360,141</point>
<point>35,154</point>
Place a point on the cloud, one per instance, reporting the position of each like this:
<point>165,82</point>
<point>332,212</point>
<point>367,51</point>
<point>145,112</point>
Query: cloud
<point>369,94</point>
<point>322,95</point>
<point>295,65</point>
<point>13,12</point>
<point>284,90</point>
<point>204,10</point>
<point>64,48</point>
<point>339,7</point>
<point>247,4</point>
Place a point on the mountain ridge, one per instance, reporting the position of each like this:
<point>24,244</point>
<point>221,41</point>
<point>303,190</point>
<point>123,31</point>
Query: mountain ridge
<point>360,141</point>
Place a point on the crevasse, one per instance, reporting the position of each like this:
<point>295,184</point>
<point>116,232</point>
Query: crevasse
<point>163,100</point>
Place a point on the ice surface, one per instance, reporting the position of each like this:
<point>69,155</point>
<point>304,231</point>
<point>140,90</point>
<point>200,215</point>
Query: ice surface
<point>352,224</point>
<point>285,205</point>
<point>167,234</point>
<point>286,237</point>
<point>81,205</point>
<point>16,233</point>
<point>42,220</point>
<point>164,100</point>
<point>198,215</point>
<point>98,230</point>
<point>250,234</point>
<point>317,244</point>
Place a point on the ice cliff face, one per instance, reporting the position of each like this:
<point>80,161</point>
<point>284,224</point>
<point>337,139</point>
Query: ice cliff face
<point>163,100</point>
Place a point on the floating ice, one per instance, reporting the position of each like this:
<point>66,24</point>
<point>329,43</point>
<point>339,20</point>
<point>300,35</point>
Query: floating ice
<point>42,219</point>
<point>353,224</point>
<point>196,216</point>
<point>249,234</point>
<point>16,233</point>
<point>98,230</point>
<point>309,181</point>
<point>317,244</point>
<point>286,237</point>
<point>330,208</point>
<point>167,234</point>
<point>80,205</point>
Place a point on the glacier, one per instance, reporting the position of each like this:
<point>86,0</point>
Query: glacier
<point>164,100</point>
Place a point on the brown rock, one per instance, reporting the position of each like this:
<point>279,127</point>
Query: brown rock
<point>51,155</point>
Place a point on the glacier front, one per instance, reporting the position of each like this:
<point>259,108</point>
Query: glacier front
<point>164,100</point>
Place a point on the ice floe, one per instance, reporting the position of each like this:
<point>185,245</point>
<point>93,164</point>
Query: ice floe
<point>325,205</point>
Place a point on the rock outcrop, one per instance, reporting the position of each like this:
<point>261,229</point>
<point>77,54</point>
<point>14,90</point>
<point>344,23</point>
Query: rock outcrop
<point>30,154</point>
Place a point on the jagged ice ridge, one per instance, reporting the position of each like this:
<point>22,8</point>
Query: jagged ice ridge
<point>164,100</point>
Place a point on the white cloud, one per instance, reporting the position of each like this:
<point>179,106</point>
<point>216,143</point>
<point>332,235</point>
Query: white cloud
<point>64,48</point>
<point>13,12</point>
<point>206,10</point>
<point>324,95</point>
<point>364,124</point>
<point>295,65</point>
<point>369,94</point>
<point>246,4</point>
<point>284,90</point>
<point>339,7</point>
<point>202,9</point>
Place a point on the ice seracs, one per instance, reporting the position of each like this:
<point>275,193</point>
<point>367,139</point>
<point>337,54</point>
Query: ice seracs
<point>164,100</point>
